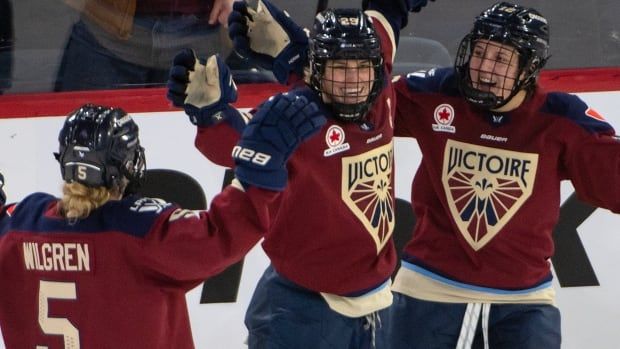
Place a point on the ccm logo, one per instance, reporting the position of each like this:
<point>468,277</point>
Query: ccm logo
<point>250,155</point>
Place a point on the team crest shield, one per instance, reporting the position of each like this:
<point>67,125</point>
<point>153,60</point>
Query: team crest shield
<point>485,187</point>
<point>367,191</point>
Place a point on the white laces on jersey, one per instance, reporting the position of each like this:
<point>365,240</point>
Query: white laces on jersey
<point>470,322</point>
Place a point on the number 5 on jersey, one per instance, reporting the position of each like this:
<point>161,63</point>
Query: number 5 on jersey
<point>52,325</point>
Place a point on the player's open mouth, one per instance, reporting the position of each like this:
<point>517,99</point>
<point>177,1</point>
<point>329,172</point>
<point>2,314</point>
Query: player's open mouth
<point>353,92</point>
<point>485,84</point>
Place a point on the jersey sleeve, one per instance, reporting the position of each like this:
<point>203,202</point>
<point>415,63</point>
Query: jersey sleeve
<point>216,142</point>
<point>410,94</point>
<point>186,247</point>
<point>594,167</point>
<point>386,34</point>
<point>394,11</point>
<point>592,158</point>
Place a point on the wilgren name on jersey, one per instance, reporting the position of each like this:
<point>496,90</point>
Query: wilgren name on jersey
<point>367,191</point>
<point>56,256</point>
<point>485,187</point>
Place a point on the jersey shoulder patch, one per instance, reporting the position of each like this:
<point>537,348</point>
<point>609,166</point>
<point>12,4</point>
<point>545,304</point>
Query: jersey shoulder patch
<point>136,215</point>
<point>131,215</point>
<point>576,110</point>
<point>436,80</point>
<point>154,205</point>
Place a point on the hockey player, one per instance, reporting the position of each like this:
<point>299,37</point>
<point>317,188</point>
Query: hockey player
<point>495,148</point>
<point>330,246</point>
<point>96,270</point>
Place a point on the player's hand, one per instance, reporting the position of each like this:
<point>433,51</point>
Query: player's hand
<point>2,194</point>
<point>203,89</point>
<point>416,5</point>
<point>279,126</point>
<point>270,38</point>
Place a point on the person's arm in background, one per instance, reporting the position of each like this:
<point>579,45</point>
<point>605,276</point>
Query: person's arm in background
<point>220,12</point>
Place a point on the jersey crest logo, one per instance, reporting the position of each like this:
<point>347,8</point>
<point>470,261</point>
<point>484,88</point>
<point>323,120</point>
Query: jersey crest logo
<point>485,187</point>
<point>444,116</point>
<point>149,205</point>
<point>367,191</point>
<point>334,137</point>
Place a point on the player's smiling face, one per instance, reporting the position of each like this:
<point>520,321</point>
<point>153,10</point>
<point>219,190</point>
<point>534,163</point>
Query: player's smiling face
<point>347,81</point>
<point>493,67</point>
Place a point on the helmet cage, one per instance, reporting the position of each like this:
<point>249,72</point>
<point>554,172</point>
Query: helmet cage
<point>99,146</point>
<point>523,29</point>
<point>346,34</point>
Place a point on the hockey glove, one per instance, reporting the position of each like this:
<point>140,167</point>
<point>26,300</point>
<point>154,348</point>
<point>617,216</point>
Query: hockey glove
<point>270,38</point>
<point>416,5</point>
<point>2,194</point>
<point>204,90</point>
<point>276,130</point>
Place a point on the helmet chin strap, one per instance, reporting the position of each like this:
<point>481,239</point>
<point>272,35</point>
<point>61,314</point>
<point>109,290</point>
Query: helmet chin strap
<point>350,112</point>
<point>477,97</point>
<point>346,112</point>
<point>513,102</point>
<point>488,100</point>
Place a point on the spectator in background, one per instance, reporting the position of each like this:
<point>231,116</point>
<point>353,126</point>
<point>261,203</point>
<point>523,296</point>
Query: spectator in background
<point>94,269</point>
<point>129,43</point>
<point>6,45</point>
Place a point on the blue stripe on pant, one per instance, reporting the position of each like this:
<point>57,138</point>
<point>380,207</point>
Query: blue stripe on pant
<point>283,315</point>
<point>418,324</point>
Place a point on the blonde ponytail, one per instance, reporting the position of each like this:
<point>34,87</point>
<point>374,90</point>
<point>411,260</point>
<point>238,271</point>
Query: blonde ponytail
<point>79,201</point>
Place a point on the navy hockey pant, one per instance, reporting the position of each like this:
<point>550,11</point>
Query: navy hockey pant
<point>283,315</point>
<point>418,324</point>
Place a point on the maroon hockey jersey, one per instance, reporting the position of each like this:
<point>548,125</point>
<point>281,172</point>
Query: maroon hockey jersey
<point>333,228</point>
<point>487,192</point>
<point>118,278</point>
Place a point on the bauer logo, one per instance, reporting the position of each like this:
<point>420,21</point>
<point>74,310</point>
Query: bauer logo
<point>485,187</point>
<point>367,190</point>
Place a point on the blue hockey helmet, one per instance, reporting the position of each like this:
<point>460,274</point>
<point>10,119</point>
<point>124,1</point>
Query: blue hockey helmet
<point>521,28</point>
<point>99,146</point>
<point>345,34</point>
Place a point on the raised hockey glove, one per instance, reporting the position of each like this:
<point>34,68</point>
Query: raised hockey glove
<point>276,130</point>
<point>203,89</point>
<point>416,5</point>
<point>270,38</point>
<point>2,194</point>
